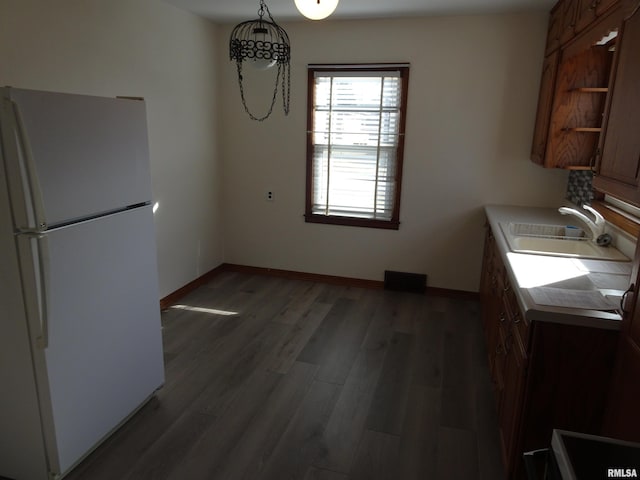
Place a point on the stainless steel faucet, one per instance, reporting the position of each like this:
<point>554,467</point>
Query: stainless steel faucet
<point>596,226</point>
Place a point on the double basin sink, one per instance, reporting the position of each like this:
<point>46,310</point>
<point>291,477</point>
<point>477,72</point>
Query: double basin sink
<point>556,240</point>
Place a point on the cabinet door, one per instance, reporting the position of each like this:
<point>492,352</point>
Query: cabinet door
<point>604,5</point>
<point>576,116</point>
<point>623,409</point>
<point>545,103</point>
<point>622,418</point>
<point>487,278</point>
<point>553,32</point>
<point>586,14</point>
<point>618,168</point>
<point>569,17</point>
<point>512,394</point>
<point>499,354</point>
<point>493,313</point>
<point>495,323</point>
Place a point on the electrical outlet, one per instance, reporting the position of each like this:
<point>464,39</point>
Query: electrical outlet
<point>269,196</point>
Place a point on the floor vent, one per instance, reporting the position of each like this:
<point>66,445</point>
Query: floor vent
<point>405,282</point>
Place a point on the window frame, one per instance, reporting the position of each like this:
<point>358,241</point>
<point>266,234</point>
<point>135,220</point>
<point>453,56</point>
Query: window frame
<point>394,222</point>
<point>617,215</point>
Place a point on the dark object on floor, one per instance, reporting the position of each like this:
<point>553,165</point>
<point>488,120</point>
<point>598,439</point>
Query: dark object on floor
<point>405,282</point>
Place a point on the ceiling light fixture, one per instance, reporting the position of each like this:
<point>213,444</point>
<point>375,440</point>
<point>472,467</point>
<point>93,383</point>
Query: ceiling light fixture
<point>316,9</point>
<point>262,44</point>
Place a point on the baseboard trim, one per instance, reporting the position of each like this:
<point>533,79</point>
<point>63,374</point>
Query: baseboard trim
<point>172,298</point>
<point>446,292</point>
<point>311,277</point>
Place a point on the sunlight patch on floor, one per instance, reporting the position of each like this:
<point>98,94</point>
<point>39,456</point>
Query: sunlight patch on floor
<point>211,311</point>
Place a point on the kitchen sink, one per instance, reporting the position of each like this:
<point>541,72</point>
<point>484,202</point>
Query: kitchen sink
<point>553,240</point>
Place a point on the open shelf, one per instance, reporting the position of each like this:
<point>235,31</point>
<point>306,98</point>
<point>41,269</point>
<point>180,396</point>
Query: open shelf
<point>583,129</point>
<point>578,167</point>
<point>591,89</point>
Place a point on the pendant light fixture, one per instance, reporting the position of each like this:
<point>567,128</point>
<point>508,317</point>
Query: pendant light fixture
<point>316,9</point>
<point>263,44</point>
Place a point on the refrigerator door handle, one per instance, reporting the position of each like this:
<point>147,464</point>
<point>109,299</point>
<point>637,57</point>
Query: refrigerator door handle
<point>28,170</point>
<point>37,274</point>
<point>43,266</point>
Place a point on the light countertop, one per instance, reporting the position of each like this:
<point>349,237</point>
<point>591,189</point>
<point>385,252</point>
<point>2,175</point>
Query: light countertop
<point>528,272</point>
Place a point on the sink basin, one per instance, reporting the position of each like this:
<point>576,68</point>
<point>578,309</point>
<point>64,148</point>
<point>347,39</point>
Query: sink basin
<point>551,240</point>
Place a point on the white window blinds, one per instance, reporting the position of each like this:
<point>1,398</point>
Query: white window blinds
<point>355,137</point>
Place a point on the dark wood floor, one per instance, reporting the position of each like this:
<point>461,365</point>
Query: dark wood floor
<point>272,378</point>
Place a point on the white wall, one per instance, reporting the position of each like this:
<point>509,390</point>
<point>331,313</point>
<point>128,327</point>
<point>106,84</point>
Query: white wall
<point>140,48</point>
<point>473,91</point>
<point>472,99</point>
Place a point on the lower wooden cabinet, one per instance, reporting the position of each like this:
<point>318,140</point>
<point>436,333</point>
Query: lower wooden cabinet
<point>546,375</point>
<point>515,362</point>
<point>622,418</point>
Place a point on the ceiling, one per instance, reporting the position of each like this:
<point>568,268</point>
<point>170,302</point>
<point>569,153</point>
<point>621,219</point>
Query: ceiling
<point>230,11</point>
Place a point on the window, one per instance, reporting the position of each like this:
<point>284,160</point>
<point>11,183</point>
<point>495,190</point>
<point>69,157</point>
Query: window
<point>356,123</point>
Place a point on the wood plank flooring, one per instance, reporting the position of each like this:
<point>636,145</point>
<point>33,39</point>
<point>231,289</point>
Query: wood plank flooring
<point>271,378</point>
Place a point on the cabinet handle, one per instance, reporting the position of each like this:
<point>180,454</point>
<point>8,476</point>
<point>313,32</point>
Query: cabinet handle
<point>623,299</point>
<point>517,319</point>
<point>503,317</point>
<point>594,160</point>
<point>508,342</point>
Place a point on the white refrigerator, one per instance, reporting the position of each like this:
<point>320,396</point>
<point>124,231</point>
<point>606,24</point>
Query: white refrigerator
<point>80,332</point>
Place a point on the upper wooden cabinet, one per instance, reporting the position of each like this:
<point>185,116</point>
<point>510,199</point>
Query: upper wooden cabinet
<point>618,169</point>
<point>574,85</point>
<point>555,29</point>
<point>569,16</point>
<point>545,103</point>
<point>603,5</point>
<point>586,13</point>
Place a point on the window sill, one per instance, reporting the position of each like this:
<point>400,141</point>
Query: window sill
<point>618,217</point>
<point>352,221</point>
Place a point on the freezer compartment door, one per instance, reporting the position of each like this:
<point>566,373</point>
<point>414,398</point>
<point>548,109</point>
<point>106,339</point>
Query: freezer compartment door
<point>103,353</point>
<point>78,156</point>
